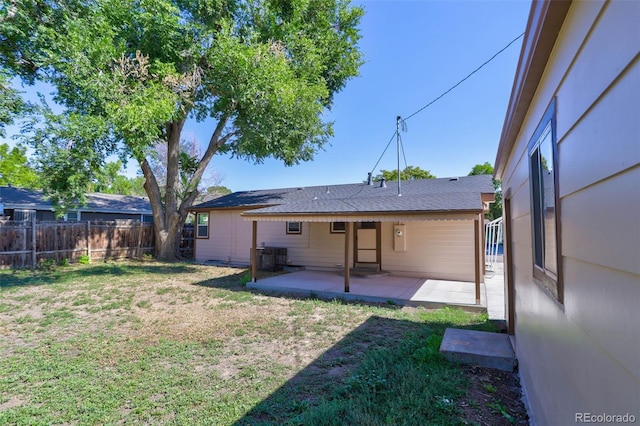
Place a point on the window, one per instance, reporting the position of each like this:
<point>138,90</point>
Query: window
<point>543,161</point>
<point>72,216</point>
<point>202,225</point>
<point>294,227</point>
<point>147,218</point>
<point>338,227</point>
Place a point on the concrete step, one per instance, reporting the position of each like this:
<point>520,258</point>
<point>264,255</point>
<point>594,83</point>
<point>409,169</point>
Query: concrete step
<point>366,266</point>
<point>490,350</point>
<point>367,273</point>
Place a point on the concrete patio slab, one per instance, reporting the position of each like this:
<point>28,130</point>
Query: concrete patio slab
<point>395,289</point>
<point>490,350</point>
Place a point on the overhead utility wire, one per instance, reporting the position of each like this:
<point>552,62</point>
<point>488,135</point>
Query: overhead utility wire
<point>385,150</point>
<point>470,74</point>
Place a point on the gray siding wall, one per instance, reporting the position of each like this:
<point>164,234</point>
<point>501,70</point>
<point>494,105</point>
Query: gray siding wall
<point>584,356</point>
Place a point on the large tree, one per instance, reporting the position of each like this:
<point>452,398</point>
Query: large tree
<point>495,211</point>
<point>131,72</point>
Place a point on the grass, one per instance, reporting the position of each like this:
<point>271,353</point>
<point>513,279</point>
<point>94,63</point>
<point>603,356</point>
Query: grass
<point>147,342</point>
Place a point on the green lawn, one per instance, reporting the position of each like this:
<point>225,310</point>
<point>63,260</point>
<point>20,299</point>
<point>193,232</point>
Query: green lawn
<point>158,343</point>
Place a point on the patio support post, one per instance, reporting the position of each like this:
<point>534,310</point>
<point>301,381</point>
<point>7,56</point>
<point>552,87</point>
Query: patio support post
<point>347,232</point>
<point>476,239</point>
<point>254,252</point>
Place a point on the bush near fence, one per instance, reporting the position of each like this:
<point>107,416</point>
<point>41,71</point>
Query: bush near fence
<point>25,244</point>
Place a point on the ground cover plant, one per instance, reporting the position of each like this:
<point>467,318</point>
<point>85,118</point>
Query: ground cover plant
<point>179,343</point>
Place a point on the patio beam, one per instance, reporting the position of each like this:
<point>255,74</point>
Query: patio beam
<point>476,239</point>
<point>347,232</point>
<point>254,252</point>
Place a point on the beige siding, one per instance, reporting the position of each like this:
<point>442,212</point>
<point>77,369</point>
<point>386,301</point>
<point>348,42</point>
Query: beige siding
<point>230,237</point>
<point>585,356</point>
<point>436,249</point>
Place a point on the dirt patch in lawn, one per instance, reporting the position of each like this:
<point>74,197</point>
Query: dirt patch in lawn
<point>494,398</point>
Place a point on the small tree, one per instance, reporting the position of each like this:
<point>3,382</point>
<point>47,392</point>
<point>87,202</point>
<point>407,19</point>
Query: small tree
<point>130,74</point>
<point>15,169</point>
<point>495,211</point>
<point>409,172</point>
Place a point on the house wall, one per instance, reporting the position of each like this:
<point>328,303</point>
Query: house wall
<point>584,356</point>
<point>437,249</point>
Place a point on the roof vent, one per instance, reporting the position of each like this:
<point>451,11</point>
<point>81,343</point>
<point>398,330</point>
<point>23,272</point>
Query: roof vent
<point>370,179</point>
<point>454,179</point>
<point>383,183</point>
<point>327,190</point>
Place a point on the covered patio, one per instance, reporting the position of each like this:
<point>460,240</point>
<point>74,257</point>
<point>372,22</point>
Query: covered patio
<point>406,291</point>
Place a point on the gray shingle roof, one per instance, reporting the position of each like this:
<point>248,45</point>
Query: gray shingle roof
<point>430,195</point>
<point>23,198</point>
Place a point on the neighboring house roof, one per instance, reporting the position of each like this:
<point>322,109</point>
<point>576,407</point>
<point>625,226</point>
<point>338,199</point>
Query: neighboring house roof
<point>425,195</point>
<point>28,199</point>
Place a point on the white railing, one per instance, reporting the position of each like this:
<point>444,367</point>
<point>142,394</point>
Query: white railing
<point>493,242</point>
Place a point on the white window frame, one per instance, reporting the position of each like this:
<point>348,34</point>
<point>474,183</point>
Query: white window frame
<point>294,228</point>
<point>202,225</point>
<point>339,230</point>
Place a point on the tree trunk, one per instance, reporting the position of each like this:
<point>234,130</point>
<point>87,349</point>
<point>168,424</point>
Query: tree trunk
<point>167,241</point>
<point>169,215</point>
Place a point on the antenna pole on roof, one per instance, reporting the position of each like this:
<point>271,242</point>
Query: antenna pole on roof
<point>399,121</point>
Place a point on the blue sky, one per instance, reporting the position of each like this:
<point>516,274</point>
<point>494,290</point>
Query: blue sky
<point>414,51</point>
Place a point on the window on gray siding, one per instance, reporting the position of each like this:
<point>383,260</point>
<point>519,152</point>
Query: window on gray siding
<point>72,216</point>
<point>294,227</point>
<point>543,162</point>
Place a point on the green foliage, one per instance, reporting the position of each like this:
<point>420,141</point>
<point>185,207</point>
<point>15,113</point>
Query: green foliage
<point>84,259</point>
<point>47,265</point>
<point>481,169</point>
<point>11,104</point>
<point>109,180</point>
<point>15,169</point>
<point>128,75</point>
<point>495,210</point>
<point>409,172</point>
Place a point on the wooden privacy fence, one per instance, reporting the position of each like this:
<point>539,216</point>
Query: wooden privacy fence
<point>25,244</point>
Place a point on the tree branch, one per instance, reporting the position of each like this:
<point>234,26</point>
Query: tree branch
<point>214,144</point>
<point>153,190</point>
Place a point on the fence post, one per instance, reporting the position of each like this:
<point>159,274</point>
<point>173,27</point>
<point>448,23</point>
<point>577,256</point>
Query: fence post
<point>89,240</point>
<point>33,244</point>
<point>138,250</point>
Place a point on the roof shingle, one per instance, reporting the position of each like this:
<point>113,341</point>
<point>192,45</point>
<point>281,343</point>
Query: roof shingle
<point>430,195</point>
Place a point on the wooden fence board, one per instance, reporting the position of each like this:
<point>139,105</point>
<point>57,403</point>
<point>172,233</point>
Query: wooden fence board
<point>20,247</point>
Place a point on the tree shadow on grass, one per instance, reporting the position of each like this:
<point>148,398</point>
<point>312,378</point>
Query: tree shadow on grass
<point>386,371</point>
<point>66,274</point>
